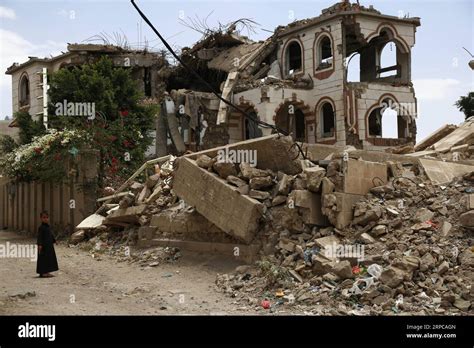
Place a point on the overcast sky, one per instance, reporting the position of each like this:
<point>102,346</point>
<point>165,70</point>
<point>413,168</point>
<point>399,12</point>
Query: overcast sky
<point>439,64</point>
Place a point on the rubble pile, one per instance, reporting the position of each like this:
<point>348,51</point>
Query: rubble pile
<point>417,257</point>
<point>340,231</point>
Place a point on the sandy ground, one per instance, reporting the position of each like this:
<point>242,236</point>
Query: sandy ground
<point>86,286</point>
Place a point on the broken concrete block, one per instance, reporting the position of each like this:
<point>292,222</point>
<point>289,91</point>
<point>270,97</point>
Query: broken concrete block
<point>152,180</point>
<point>278,200</point>
<point>427,262</point>
<point>372,214</point>
<point>204,161</point>
<point>146,232</point>
<point>314,176</point>
<point>467,219</point>
<point>434,137</point>
<point>77,237</point>
<point>312,202</point>
<point>127,215</point>
<point>421,226</point>
<point>423,215</point>
<point>392,276</point>
<point>92,221</point>
<point>470,201</point>
<point>155,194</point>
<point>135,187</point>
<point>146,192</point>
<point>378,230</point>
<point>216,200</point>
<point>262,182</point>
<point>224,169</point>
<point>231,179</point>
<point>443,267</point>
<point>327,242</point>
<point>284,217</point>
<point>275,152</point>
<point>299,184</point>
<point>338,207</point>
<point>361,176</point>
<point>284,185</point>
<point>367,238</point>
<point>287,245</point>
<point>260,195</point>
<point>407,263</point>
<point>440,172</point>
<point>243,190</point>
<point>250,172</point>
<point>342,269</point>
<point>127,201</point>
<point>445,228</point>
<point>184,223</point>
<point>327,186</point>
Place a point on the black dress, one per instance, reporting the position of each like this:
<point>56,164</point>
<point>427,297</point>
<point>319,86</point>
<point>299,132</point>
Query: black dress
<point>47,261</point>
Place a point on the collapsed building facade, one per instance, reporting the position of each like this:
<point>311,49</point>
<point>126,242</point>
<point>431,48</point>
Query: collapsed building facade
<point>297,79</point>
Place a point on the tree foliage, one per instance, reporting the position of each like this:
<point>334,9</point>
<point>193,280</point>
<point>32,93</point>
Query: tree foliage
<point>465,104</point>
<point>121,127</point>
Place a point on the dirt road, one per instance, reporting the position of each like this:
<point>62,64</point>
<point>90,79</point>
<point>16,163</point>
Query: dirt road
<point>86,286</point>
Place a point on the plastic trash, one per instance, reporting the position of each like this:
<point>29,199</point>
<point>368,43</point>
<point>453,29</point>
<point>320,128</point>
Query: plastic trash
<point>361,285</point>
<point>266,304</point>
<point>375,270</point>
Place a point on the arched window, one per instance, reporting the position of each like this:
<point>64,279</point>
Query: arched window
<point>291,119</point>
<point>251,127</point>
<point>299,126</point>
<point>324,53</point>
<point>353,68</point>
<point>294,58</point>
<point>388,60</point>
<point>24,91</point>
<point>328,120</point>
<point>386,122</point>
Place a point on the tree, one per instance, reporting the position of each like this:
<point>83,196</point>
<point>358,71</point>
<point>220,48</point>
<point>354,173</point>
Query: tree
<point>465,104</point>
<point>7,144</point>
<point>120,127</point>
<point>29,128</point>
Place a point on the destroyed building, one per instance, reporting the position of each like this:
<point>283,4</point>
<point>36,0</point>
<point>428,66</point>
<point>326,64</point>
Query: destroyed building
<point>29,93</point>
<point>297,79</point>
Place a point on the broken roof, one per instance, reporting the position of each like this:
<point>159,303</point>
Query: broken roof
<point>344,8</point>
<point>75,49</point>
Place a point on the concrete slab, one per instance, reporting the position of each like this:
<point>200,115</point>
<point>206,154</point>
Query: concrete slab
<point>182,223</point>
<point>273,152</point>
<point>126,215</point>
<point>312,202</point>
<point>344,213</point>
<point>92,221</point>
<point>440,172</point>
<point>434,137</point>
<point>464,134</point>
<point>216,200</point>
<point>246,253</point>
<point>361,176</point>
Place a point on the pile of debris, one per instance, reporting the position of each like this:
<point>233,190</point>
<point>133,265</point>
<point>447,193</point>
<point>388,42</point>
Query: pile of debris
<point>406,250</point>
<point>336,231</point>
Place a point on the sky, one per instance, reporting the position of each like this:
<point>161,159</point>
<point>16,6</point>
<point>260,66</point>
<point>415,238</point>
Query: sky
<point>440,70</point>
